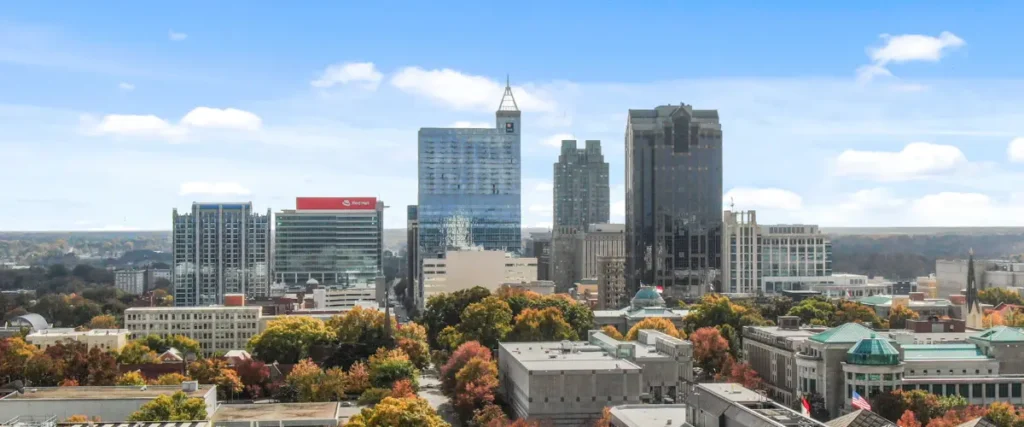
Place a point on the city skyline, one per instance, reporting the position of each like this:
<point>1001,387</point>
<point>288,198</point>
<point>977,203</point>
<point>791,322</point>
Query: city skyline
<point>902,119</point>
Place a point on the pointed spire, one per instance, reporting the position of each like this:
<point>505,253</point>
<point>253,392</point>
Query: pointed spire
<point>508,102</point>
<point>972,291</point>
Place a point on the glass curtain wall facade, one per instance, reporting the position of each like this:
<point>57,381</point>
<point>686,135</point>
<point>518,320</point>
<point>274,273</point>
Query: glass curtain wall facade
<point>220,248</point>
<point>674,200</point>
<point>469,185</point>
<point>335,247</point>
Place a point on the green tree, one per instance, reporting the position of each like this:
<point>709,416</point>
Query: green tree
<point>135,353</point>
<point>131,378</point>
<point>176,407</point>
<point>996,296</point>
<point>899,314</point>
<point>289,339</point>
<point>814,311</point>
<point>541,325</point>
<point>181,343</point>
<point>444,310</point>
<point>388,366</point>
<point>487,321</point>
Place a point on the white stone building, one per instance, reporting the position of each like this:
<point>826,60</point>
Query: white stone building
<point>104,339</point>
<point>216,328</point>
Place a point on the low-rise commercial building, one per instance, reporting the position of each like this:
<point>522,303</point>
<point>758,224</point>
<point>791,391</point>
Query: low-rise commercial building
<point>771,351</point>
<point>345,297</point>
<point>468,268</point>
<point>570,383</point>
<point>130,281</point>
<point>540,287</point>
<point>646,303</point>
<point>109,404</point>
<point>216,328</point>
<point>104,339</point>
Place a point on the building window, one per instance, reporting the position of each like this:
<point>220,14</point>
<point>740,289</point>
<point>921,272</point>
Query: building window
<point>1015,389</point>
<point>1004,390</point>
<point>964,390</point>
<point>990,390</point>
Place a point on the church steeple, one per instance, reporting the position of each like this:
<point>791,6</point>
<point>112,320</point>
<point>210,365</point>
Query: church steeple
<point>972,287</point>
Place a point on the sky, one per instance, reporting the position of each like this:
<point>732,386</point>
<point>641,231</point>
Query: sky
<point>867,114</point>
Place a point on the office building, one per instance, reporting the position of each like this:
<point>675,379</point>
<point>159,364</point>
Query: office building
<point>109,404</point>
<point>334,240</point>
<point>155,274</point>
<point>599,240</point>
<point>563,257</point>
<point>916,302</point>
<point>216,328</point>
<point>581,186</point>
<point>645,304</point>
<point>611,283</point>
<point>539,246</point>
<point>469,268</point>
<point>103,339</point>
<point>570,383</point>
<point>772,258</point>
<point>673,199</point>
<point>413,278</point>
<point>539,287</point>
<point>305,414</point>
<point>130,281</point>
<point>346,296</point>
<point>220,248</point>
<point>771,351</point>
<point>950,275</point>
<point>470,183</point>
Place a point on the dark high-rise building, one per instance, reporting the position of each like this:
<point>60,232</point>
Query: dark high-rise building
<point>581,186</point>
<point>673,199</point>
<point>541,249</point>
<point>470,185</point>
<point>219,248</point>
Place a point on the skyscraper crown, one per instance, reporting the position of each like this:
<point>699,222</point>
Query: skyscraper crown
<point>508,102</point>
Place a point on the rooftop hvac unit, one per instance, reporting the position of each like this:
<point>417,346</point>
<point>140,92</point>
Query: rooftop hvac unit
<point>189,386</point>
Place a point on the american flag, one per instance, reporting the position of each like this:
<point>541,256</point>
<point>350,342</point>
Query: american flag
<point>859,402</point>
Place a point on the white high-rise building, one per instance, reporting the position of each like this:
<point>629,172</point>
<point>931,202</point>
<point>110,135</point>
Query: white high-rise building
<point>772,258</point>
<point>220,248</point>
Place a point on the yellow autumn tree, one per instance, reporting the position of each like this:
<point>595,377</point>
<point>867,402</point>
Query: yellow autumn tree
<point>659,323</point>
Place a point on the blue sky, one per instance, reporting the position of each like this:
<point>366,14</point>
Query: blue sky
<point>863,115</point>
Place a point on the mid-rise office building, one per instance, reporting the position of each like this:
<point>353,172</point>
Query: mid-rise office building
<point>220,248</point>
<point>216,328</point>
<point>581,194</point>
<point>470,185</point>
<point>673,199</point>
<point>155,274</point>
<point>103,339</point>
<point>563,257</point>
<point>347,296</point>
<point>466,269</point>
<point>334,240</point>
<point>772,258</point>
<point>130,281</point>
<point>611,283</point>
<point>570,383</point>
<point>599,241</point>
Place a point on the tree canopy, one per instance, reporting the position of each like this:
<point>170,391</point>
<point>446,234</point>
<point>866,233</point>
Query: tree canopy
<point>289,339</point>
<point>176,407</point>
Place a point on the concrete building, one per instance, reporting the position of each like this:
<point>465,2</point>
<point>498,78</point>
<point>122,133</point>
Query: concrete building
<point>130,281</point>
<point>541,249</point>
<point>925,308</point>
<point>581,194</point>
<point>646,303</point>
<point>600,240</point>
<point>346,297</point>
<point>109,404</point>
<point>220,248</point>
<point>611,283</point>
<point>104,339</point>
<point>563,257</point>
<point>312,414</point>
<point>540,287</point>
<point>469,268</point>
<point>570,383</point>
<point>673,199</point>
<point>216,328</point>
<point>335,240</point>
<point>470,185</point>
<point>951,275</point>
<point>154,274</point>
<point>413,278</point>
<point>30,322</point>
<point>772,258</point>
<point>850,286</point>
<point>715,405</point>
<point>771,351</point>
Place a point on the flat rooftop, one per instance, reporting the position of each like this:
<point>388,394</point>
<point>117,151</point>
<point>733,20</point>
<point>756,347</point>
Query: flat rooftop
<point>733,392</point>
<point>943,352</point>
<point>98,392</point>
<point>277,412</point>
<point>779,332</point>
<point>651,415</point>
<point>544,356</point>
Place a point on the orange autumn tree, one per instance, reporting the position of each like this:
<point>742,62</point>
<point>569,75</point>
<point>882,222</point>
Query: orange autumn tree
<point>658,323</point>
<point>612,332</point>
<point>710,349</point>
<point>908,420</point>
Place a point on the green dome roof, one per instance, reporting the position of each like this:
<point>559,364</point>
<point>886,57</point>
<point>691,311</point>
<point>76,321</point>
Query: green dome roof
<point>873,351</point>
<point>647,297</point>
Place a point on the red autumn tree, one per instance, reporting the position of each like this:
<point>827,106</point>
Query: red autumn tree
<point>255,376</point>
<point>490,416</point>
<point>908,420</point>
<point>740,372</point>
<point>457,361</point>
<point>402,389</point>
<point>474,386</point>
<point>710,349</point>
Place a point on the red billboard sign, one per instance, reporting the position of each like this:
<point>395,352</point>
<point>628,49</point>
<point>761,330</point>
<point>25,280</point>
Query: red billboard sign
<point>335,203</point>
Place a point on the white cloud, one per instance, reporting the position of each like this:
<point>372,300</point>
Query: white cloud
<point>350,72</point>
<point>906,48</point>
<point>763,198</point>
<point>544,186</point>
<point>126,86</point>
<point>556,139</point>
<point>467,124</point>
<point>212,188</point>
<point>132,125</point>
<point>914,47</point>
<point>465,91</point>
<point>541,208</point>
<point>226,118</point>
<point>618,211</point>
<point>916,160</point>
<point>177,37</point>
<point>1016,150</point>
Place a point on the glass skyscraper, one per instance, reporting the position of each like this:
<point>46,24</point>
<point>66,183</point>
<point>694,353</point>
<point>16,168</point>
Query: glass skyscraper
<point>469,185</point>
<point>674,200</point>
